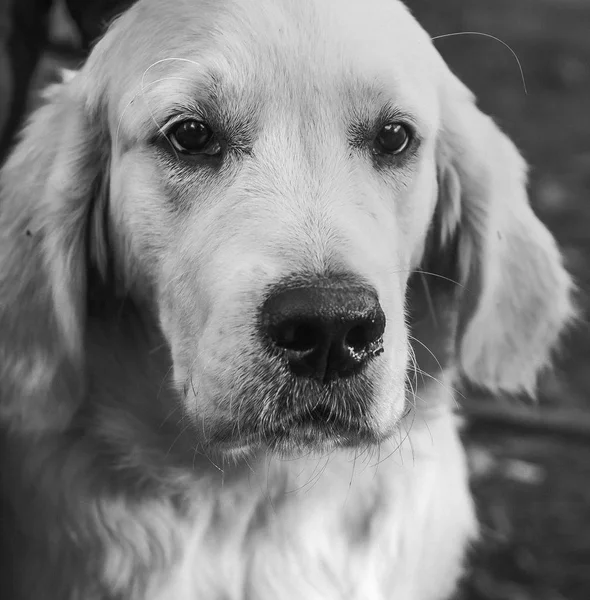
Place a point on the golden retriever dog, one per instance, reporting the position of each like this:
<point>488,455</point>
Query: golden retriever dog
<point>246,254</point>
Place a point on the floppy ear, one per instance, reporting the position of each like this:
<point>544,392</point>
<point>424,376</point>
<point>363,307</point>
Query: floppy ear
<point>515,298</point>
<point>46,191</point>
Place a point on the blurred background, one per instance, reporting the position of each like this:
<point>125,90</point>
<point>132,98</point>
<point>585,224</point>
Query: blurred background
<point>530,462</point>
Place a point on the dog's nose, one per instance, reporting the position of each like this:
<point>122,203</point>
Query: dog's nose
<point>325,331</point>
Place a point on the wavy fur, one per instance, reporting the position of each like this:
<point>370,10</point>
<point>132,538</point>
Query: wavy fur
<point>131,277</point>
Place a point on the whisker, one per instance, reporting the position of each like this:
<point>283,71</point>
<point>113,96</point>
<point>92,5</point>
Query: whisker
<point>169,415</point>
<point>422,272</point>
<point>449,388</point>
<point>151,83</point>
<point>402,440</point>
<point>204,454</point>
<point>493,37</point>
<point>162,60</point>
<point>158,347</point>
<point>411,337</point>
<point>183,429</point>
<point>163,381</point>
<point>159,128</point>
<point>351,473</point>
<point>429,299</point>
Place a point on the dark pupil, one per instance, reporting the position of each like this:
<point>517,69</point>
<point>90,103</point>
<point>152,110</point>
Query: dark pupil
<point>392,138</point>
<point>193,135</point>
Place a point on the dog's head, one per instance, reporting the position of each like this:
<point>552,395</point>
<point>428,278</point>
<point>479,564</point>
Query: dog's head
<point>302,194</point>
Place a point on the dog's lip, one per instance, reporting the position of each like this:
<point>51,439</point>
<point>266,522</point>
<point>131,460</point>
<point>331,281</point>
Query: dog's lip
<point>301,433</point>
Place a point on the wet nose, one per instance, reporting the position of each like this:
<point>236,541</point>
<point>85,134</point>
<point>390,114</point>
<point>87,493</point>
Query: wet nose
<point>326,331</point>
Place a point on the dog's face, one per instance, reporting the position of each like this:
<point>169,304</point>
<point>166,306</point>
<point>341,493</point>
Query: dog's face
<point>274,173</point>
<point>277,199</point>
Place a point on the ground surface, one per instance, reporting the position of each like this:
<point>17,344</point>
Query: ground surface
<point>533,489</point>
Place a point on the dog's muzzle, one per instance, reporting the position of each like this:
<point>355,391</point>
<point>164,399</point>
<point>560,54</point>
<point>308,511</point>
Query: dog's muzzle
<point>326,330</point>
<point>315,384</point>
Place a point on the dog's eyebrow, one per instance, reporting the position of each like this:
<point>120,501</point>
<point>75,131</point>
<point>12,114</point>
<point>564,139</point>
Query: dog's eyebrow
<point>381,100</point>
<point>202,95</point>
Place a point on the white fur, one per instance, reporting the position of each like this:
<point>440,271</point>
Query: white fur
<point>391,523</point>
<point>132,496</point>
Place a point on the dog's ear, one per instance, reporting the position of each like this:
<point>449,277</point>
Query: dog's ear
<point>515,294</point>
<point>47,187</point>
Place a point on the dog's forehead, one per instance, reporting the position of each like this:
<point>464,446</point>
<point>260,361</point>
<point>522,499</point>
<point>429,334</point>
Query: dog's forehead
<point>370,42</point>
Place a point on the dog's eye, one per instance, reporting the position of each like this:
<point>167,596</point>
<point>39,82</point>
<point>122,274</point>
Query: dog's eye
<point>393,138</point>
<point>194,137</point>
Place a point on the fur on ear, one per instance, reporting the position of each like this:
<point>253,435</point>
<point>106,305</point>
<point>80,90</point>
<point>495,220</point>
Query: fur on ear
<point>516,294</point>
<point>47,188</point>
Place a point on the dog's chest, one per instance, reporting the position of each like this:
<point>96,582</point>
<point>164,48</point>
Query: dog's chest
<point>334,528</point>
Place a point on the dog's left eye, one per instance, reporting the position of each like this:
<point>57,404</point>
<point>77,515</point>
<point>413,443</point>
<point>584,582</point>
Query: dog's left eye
<point>392,139</point>
<point>194,137</point>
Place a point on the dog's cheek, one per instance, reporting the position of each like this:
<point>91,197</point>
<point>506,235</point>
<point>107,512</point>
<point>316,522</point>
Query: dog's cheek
<point>391,379</point>
<point>143,216</point>
<point>416,204</point>
<point>228,346</point>
<point>210,324</point>
<point>181,315</point>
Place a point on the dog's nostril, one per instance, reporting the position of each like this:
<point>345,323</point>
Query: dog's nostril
<point>366,334</point>
<point>325,331</point>
<point>359,337</point>
<point>299,337</point>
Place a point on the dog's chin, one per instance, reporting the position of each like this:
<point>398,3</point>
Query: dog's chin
<point>298,438</point>
<point>312,440</point>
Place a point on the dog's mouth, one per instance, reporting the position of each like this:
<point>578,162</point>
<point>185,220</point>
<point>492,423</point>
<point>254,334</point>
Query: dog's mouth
<point>306,439</point>
<point>307,417</point>
<point>300,436</point>
<point>319,428</point>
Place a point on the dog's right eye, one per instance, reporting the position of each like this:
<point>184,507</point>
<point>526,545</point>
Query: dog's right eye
<point>194,137</point>
<point>394,138</point>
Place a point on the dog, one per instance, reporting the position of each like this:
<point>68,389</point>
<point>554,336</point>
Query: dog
<point>247,253</point>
